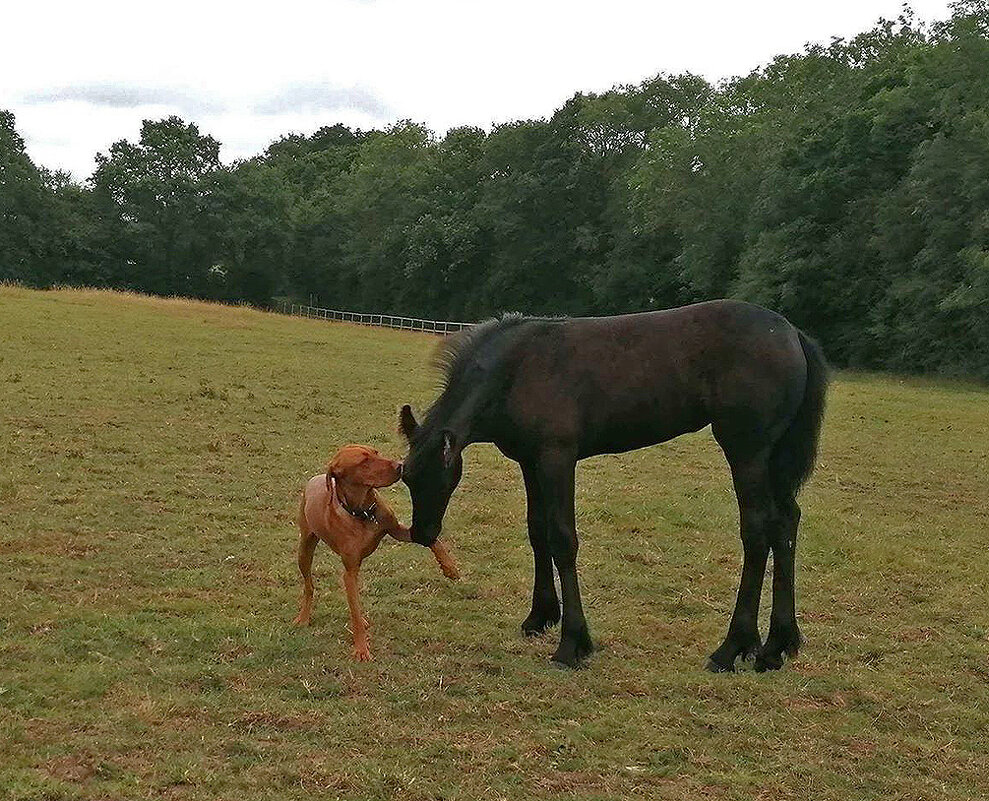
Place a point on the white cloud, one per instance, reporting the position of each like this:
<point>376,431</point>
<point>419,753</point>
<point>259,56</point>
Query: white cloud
<point>124,95</point>
<point>82,75</point>
<point>315,96</point>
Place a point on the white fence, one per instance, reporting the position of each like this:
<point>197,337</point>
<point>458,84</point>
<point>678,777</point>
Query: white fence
<point>381,320</point>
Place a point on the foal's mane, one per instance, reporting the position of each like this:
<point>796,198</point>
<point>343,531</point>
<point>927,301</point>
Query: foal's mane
<point>471,365</point>
<point>456,353</point>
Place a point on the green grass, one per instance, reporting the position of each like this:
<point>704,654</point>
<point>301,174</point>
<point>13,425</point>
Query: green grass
<point>151,452</point>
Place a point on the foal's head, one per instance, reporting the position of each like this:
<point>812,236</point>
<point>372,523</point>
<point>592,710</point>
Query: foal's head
<point>432,472</point>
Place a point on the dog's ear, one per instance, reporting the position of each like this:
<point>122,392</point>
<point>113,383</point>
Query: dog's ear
<point>332,470</point>
<point>337,466</point>
<point>450,447</point>
<point>407,425</point>
<point>345,462</point>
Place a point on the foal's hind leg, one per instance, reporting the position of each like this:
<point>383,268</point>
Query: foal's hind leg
<point>757,515</point>
<point>784,634</point>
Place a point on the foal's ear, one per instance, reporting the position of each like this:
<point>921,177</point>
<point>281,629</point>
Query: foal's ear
<point>407,424</point>
<point>450,447</point>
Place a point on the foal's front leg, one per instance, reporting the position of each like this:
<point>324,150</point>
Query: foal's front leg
<point>556,484</point>
<point>545,605</point>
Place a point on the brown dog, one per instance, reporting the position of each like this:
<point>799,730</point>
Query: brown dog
<point>341,508</point>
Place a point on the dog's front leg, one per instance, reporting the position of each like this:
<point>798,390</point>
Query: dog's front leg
<point>362,645</point>
<point>400,533</point>
<point>447,565</point>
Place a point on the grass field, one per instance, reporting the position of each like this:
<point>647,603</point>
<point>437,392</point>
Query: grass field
<point>151,452</point>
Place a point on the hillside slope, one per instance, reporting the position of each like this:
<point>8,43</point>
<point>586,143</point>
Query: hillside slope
<point>151,452</point>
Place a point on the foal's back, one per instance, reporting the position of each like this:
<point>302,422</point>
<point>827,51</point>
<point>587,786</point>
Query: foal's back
<point>611,384</point>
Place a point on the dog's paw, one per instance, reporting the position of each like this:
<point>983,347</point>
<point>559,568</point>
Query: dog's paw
<point>301,620</point>
<point>362,653</point>
<point>450,571</point>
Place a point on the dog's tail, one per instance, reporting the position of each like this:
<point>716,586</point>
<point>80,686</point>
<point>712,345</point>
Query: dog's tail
<point>300,517</point>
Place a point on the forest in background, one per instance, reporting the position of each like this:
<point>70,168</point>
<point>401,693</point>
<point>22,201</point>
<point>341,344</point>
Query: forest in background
<point>846,186</point>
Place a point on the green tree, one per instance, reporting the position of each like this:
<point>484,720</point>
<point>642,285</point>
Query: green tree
<point>29,231</point>
<point>155,198</point>
<point>443,255</point>
<point>312,169</point>
<point>253,210</point>
<point>385,192</point>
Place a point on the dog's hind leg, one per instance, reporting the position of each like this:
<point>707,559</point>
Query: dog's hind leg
<point>307,547</point>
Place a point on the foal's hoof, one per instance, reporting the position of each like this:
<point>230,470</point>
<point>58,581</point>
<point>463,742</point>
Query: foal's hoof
<point>573,651</point>
<point>716,667</point>
<point>784,644</point>
<point>537,623</point>
<point>734,647</point>
<point>765,662</point>
<point>772,658</point>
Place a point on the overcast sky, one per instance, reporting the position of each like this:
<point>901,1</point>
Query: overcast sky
<point>81,75</point>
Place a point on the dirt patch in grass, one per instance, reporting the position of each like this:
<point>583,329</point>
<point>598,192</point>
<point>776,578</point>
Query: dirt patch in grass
<point>72,767</point>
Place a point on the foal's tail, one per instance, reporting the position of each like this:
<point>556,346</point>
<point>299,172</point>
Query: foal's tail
<point>794,455</point>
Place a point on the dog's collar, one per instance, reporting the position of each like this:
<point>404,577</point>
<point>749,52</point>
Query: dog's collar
<point>361,514</point>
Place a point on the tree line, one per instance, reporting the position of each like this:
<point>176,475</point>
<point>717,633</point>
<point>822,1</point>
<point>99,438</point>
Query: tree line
<point>846,186</point>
